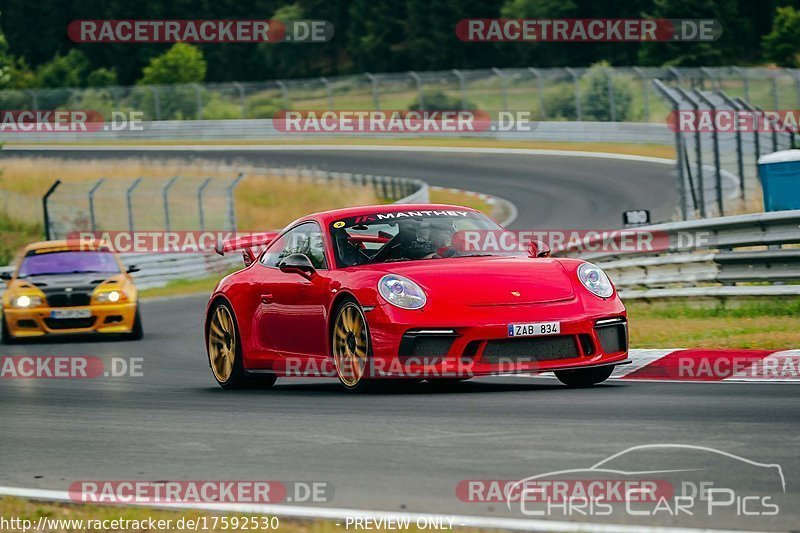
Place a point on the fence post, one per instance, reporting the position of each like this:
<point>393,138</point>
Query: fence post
<point>503,86</point>
<point>328,90</point>
<point>200,212</point>
<point>34,100</point>
<point>756,139</point>
<point>165,194</point>
<point>540,84</point>
<point>156,101</point>
<point>198,100</point>
<point>418,80</point>
<point>376,97</point>
<point>678,147</point>
<point>242,100</point>
<point>698,154</point>
<point>714,79</point>
<point>129,201</point>
<point>578,111</point>
<point>231,200</point>
<point>94,188</point>
<point>45,210</point>
<point>739,155</point>
<point>715,141</point>
<point>645,93</point>
<point>774,84</point>
<point>287,103</point>
<point>114,97</point>
<point>797,86</point>
<point>612,103</point>
<point>462,87</point>
<point>745,81</point>
<point>678,76</point>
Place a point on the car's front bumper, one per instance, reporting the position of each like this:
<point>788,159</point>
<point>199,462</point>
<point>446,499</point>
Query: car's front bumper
<point>416,344</point>
<point>38,322</point>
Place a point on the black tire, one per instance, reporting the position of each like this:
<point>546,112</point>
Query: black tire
<point>6,337</point>
<point>363,384</point>
<point>137,332</point>
<point>236,378</point>
<point>584,377</point>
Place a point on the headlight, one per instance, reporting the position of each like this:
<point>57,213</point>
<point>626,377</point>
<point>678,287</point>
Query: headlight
<point>594,279</point>
<point>401,292</point>
<point>23,302</point>
<point>108,297</point>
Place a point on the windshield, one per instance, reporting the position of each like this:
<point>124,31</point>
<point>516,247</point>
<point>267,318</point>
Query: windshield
<point>41,263</point>
<point>409,236</point>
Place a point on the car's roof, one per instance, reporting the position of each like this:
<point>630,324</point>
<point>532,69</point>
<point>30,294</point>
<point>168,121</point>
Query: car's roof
<point>74,245</point>
<point>348,212</point>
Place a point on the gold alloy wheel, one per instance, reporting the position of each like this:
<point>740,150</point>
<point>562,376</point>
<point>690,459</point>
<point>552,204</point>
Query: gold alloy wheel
<point>350,344</point>
<point>222,343</point>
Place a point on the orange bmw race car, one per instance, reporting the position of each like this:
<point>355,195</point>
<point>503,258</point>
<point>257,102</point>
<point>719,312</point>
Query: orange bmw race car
<point>61,288</point>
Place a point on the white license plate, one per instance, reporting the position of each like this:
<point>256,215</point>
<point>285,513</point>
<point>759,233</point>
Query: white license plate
<point>534,329</point>
<point>71,313</point>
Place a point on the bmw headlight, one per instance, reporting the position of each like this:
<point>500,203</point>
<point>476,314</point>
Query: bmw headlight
<point>594,279</point>
<point>24,301</point>
<point>401,292</point>
<point>108,297</point>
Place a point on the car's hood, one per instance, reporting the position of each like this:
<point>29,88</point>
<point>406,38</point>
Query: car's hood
<point>487,281</point>
<point>76,282</point>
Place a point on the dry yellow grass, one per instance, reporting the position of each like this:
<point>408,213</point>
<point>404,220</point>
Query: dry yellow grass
<point>263,201</point>
<point>33,510</point>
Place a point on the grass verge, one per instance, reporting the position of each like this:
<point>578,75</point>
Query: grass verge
<point>137,519</point>
<point>181,287</point>
<point>765,323</point>
<point>15,234</point>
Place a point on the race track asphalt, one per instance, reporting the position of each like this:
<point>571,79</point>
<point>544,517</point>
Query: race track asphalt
<point>402,450</point>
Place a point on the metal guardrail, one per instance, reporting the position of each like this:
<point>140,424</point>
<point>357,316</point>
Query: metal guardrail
<point>744,255</point>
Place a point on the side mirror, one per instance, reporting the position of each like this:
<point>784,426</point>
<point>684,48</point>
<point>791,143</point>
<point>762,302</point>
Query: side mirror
<point>538,249</point>
<point>298,264</point>
<point>6,276</point>
<point>132,269</point>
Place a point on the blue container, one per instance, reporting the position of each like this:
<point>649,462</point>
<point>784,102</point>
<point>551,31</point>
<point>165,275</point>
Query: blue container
<point>780,180</point>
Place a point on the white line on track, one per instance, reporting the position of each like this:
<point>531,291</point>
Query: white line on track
<point>332,513</point>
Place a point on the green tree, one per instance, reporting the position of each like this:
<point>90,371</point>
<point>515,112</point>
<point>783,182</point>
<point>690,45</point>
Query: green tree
<point>726,49</point>
<point>64,71</point>
<point>376,35</point>
<point>102,77</point>
<point>14,73</point>
<point>782,44</point>
<point>183,63</point>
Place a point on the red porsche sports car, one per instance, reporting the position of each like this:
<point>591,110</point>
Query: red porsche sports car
<point>391,291</point>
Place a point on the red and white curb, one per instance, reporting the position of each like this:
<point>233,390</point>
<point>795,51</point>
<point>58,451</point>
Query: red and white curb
<point>711,365</point>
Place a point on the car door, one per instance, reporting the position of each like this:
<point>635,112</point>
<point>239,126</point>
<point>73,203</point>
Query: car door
<point>293,309</point>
